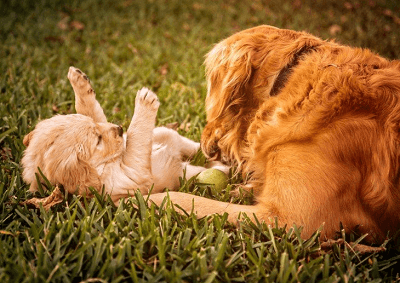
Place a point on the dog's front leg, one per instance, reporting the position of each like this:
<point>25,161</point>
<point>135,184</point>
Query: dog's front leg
<point>202,206</point>
<point>85,97</point>
<point>137,156</point>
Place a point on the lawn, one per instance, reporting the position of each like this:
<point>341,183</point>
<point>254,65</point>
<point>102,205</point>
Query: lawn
<point>123,46</point>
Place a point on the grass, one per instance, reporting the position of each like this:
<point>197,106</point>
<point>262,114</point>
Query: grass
<point>122,46</point>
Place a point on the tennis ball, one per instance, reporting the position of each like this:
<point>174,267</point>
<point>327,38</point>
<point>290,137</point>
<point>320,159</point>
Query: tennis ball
<point>213,177</point>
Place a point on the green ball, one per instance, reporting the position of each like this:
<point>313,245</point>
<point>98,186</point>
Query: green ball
<point>214,177</point>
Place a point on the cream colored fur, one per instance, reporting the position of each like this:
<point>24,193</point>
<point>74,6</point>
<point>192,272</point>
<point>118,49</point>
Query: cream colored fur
<point>83,150</point>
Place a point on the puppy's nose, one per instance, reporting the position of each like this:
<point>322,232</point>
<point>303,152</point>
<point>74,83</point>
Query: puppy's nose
<point>120,131</point>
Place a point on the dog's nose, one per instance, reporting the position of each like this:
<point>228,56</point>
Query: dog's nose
<point>120,131</point>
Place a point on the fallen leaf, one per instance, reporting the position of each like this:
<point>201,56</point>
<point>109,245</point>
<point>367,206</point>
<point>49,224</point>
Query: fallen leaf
<point>77,25</point>
<point>335,29</point>
<point>360,248</point>
<point>173,126</point>
<point>126,4</point>
<point>197,6</point>
<point>296,4</point>
<point>54,39</point>
<point>185,127</point>
<point>56,197</point>
<point>5,153</point>
<point>164,69</point>
<point>6,233</point>
<point>388,12</point>
<point>186,27</point>
<point>348,5</point>
<point>167,35</point>
<point>55,108</point>
<point>133,49</point>
<point>63,24</point>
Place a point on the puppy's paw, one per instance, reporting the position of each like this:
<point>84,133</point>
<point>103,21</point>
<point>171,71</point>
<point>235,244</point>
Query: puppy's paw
<point>146,100</point>
<point>80,82</point>
<point>190,148</point>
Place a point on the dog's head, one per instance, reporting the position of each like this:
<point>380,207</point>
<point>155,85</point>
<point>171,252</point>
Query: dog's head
<point>240,72</point>
<point>68,149</point>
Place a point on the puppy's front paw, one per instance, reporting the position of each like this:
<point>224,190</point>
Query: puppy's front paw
<point>80,82</point>
<point>146,100</point>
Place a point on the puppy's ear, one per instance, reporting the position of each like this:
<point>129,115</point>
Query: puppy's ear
<point>27,139</point>
<point>79,177</point>
<point>73,172</point>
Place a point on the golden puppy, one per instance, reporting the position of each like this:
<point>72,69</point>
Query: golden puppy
<point>315,124</point>
<point>83,150</point>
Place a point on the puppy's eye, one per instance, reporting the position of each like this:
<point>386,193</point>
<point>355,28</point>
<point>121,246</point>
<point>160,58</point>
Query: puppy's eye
<point>99,140</point>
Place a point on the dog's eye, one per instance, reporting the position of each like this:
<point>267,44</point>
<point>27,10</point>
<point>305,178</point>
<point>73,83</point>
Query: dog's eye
<point>99,140</point>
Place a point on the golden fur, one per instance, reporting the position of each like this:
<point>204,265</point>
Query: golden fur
<point>82,150</point>
<point>324,149</point>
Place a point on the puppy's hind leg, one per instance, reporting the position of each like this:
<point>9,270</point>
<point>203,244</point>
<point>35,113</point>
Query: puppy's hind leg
<point>137,156</point>
<point>192,170</point>
<point>85,97</point>
<point>175,142</point>
<point>188,147</point>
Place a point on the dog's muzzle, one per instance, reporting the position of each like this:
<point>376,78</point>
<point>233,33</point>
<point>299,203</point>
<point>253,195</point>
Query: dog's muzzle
<point>213,153</point>
<point>120,131</point>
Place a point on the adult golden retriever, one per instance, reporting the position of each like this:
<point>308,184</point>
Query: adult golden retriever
<point>315,124</point>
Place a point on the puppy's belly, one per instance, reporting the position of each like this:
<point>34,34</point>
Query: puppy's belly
<point>166,167</point>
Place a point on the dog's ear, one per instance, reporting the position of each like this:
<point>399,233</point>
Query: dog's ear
<point>69,168</point>
<point>228,70</point>
<point>27,138</point>
<point>231,67</point>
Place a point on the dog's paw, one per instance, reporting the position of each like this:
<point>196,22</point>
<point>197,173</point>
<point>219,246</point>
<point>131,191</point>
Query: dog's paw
<point>242,191</point>
<point>146,100</point>
<point>80,81</point>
